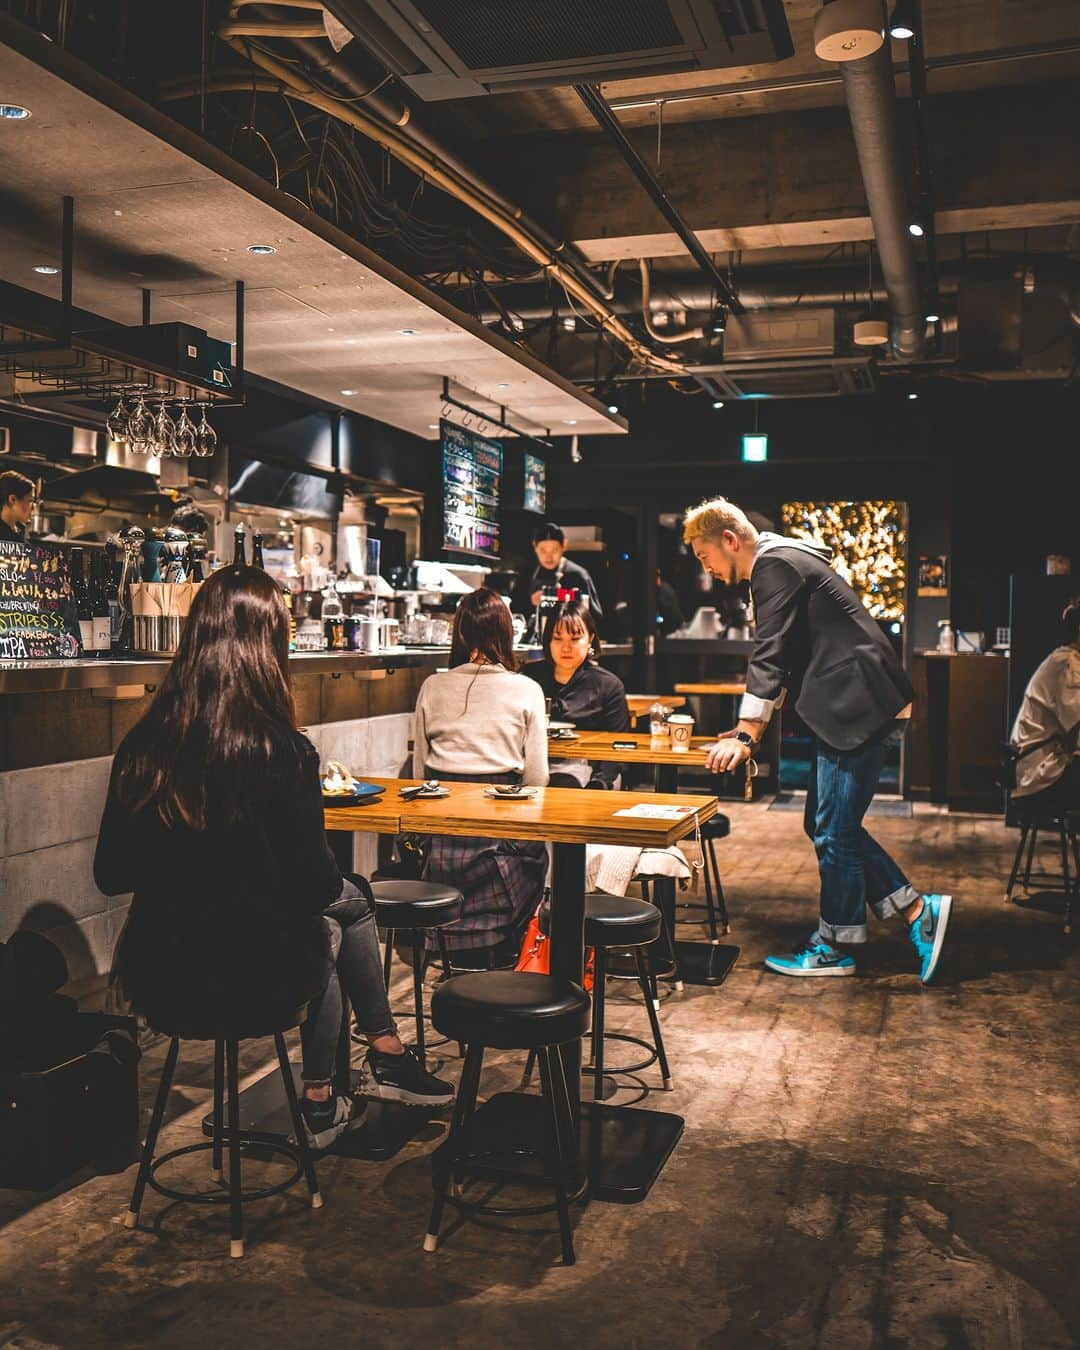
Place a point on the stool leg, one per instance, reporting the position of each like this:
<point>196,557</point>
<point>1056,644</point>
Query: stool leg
<point>388,956</point>
<point>444,952</point>
<point>463,1108</point>
<point>1065,873</point>
<point>1030,856</point>
<point>599,980</point>
<point>219,1109</point>
<point>1076,883</point>
<point>654,1021</point>
<point>236,1212</point>
<point>721,903</point>
<point>1016,863</point>
<point>710,904</point>
<point>297,1121</point>
<point>557,1159</point>
<point>418,997</point>
<point>669,939</point>
<point>131,1218</point>
<point>343,1067</point>
<point>530,1064</point>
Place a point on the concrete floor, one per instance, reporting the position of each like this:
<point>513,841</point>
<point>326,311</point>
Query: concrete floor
<point>865,1163</point>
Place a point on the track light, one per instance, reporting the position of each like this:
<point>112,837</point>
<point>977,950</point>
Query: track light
<point>902,22</point>
<point>917,228</point>
<point>718,322</point>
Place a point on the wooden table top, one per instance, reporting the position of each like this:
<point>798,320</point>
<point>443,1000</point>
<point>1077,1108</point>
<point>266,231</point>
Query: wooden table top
<point>598,746</point>
<point>711,687</point>
<point>641,703</point>
<point>554,815</point>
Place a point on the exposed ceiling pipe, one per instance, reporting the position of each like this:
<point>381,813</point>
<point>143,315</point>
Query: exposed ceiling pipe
<point>439,169</point>
<point>871,100</point>
<point>686,335</point>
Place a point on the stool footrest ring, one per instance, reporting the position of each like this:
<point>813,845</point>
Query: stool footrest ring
<point>223,1197</point>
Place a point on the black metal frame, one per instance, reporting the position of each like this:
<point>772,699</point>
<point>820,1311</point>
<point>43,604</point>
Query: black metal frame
<point>1066,824</point>
<point>226,1057</point>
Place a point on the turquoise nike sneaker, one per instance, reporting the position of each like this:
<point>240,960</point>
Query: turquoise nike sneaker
<point>815,958</point>
<point>928,931</point>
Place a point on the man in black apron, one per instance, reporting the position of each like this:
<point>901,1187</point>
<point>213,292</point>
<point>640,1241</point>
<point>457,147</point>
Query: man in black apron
<point>554,572</point>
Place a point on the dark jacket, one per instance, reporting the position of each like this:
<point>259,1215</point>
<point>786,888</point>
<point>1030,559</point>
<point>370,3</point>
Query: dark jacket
<point>593,699</point>
<point>10,535</point>
<point>225,928</point>
<point>816,640</point>
<point>569,575</point>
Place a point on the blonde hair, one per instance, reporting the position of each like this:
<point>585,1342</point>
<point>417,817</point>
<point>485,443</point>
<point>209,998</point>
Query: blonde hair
<point>713,517</point>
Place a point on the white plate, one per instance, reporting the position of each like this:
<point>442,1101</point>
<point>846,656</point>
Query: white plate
<point>561,726</point>
<point>522,795</point>
<point>427,796</point>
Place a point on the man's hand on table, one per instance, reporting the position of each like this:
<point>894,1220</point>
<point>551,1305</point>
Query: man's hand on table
<point>726,754</point>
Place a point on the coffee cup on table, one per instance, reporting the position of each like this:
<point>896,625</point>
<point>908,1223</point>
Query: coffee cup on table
<point>680,729</point>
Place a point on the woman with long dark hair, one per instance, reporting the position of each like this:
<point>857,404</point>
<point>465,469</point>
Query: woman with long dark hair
<point>581,691</point>
<point>214,820</point>
<point>481,722</point>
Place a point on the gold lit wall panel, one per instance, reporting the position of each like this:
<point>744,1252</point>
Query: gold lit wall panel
<point>868,541</point>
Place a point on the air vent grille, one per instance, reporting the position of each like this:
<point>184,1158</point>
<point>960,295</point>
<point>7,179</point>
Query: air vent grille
<point>490,34</point>
<point>790,379</point>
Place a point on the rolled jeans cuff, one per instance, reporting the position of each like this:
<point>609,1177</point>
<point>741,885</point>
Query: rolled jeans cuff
<point>845,932</point>
<point>894,903</point>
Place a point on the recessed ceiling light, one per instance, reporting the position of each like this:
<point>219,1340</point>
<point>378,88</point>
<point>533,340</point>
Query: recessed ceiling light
<point>46,270</point>
<point>913,396</point>
<point>348,392</point>
<point>570,421</point>
<point>433,426</point>
<point>505,385</point>
<point>407,332</point>
<point>917,229</point>
<point>613,408</point>
<point>261,248</point>
<point>13,112</point>
<point>718,402</point>
<point>933,318</point>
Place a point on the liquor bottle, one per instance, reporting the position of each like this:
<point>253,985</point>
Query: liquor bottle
<point>257,550</point>
<point>82,600</point>
<point>99,605</point>
<point>112,597</point>
<point>239,546</point>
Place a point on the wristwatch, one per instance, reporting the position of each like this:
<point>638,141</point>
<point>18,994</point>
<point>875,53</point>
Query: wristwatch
<point>746,739</point>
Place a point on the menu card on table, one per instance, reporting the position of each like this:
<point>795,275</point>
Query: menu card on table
<point>38,617</point>
<point>656,811</point>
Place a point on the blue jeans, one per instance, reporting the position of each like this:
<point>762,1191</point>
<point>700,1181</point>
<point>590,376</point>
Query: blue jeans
<point>855,870</point>
<point>358,968</point>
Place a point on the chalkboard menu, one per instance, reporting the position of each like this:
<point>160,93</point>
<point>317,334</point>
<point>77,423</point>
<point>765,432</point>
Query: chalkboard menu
<point>37,605</point>
<point>472,474</point>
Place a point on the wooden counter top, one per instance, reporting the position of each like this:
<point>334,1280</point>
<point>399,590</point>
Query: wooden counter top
<point>554,815</point>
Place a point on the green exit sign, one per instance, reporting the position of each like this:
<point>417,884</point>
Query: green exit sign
<point>755,448</point>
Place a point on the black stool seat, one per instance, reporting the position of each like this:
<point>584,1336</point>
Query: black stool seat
<point>197,1026</point>
<point>620,921</point>
<point>416,904</point>
<point>510,1010</point>
<point>716,827</point>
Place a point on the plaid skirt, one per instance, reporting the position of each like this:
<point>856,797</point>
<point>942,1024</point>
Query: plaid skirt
<point>502,880</point>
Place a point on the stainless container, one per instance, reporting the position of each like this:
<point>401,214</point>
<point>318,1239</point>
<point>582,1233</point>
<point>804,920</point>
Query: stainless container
<point>158,634</point>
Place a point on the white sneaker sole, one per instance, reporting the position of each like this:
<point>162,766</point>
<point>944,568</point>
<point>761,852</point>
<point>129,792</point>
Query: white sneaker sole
<point>944,914</point>
<point>387,1092</point>
<point>818,973</point>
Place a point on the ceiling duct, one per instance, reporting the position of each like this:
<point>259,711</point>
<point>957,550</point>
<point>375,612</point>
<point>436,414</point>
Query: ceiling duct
<point>836,377</point>
<point>443,49</point>
<point>773,334</point>
<point>871,98</point>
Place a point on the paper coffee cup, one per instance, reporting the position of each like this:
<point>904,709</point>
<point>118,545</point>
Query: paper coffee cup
<point>681,729</point>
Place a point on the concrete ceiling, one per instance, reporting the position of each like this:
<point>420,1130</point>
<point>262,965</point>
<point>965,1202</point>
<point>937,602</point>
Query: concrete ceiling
<point>324,314</point>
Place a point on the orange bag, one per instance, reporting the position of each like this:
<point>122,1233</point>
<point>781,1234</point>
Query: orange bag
<point>536,953</point>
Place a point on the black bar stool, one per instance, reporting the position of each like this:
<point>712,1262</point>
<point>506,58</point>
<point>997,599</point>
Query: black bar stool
<point>416,906</point>
<point>510,1010</point>
<point>226,1057</point>
<point>717,827</point>
<point>615,921</point>
<point>1065,824</point>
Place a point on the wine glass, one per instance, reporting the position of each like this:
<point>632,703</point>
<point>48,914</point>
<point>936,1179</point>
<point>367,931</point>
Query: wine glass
<point>205,438</point>
<point>140,430</point>
<point>185,442</point>
<point>164,438</point>
<point>117,422</point>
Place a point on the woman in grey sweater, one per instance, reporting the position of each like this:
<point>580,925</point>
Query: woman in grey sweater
<point>481,722</point>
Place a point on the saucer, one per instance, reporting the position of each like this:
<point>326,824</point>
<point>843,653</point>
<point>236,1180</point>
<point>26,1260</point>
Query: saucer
<point>522,794</point>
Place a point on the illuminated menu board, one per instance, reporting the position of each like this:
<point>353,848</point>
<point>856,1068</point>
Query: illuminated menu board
<point>472,474</point>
